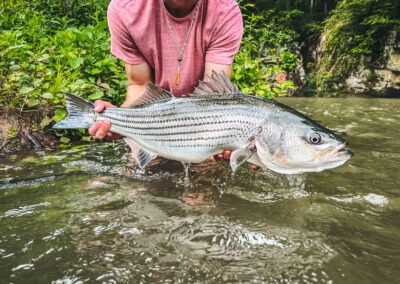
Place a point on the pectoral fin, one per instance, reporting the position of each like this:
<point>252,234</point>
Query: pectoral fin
<point>141,156</point>
<point>239,156</point>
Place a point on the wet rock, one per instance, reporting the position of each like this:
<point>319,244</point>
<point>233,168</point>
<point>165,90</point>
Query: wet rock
<point>98,183</point>
<point>388,82</point>
<point>381,80</point>
<point>357,82</point>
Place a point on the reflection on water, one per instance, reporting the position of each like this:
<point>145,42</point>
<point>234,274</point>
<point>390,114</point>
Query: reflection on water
<point>86,215</point>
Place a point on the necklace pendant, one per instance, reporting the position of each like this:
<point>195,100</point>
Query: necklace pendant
<point>179,58</point>
<point>177,78</point>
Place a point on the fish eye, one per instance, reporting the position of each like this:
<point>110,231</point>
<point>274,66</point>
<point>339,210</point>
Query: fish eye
<point>314,138</point>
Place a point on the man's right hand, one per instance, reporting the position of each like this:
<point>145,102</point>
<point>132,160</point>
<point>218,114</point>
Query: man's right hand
<point>101,129</point>
<point>138,75</point>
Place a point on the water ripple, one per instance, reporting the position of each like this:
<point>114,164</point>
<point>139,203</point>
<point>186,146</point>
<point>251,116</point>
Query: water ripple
<point>25,210</point>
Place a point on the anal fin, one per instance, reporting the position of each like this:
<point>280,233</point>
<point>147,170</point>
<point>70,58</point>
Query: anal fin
<point>140,155</point>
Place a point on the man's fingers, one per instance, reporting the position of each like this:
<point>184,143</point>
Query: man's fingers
<point>103,130</point>
<point>95,128</point>
<point>254,167</point>
<point>114,136</point>
<point>218,157</point>
<point>99,106</point>
<point>227,155</point>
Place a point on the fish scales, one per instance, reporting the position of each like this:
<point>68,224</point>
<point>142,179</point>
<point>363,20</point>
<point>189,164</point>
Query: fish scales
<point>204,124</point>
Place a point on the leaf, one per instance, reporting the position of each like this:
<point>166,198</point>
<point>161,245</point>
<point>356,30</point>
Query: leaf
<point>76,62</point>
<point>25,90</point>
<point>14,67</point>
<point>64,140</point>
<point>45,121</point>
<point>37,82</point>
<point>246,90</point>
<point>265,87</point>
<point>105,86</point>
<point>59,114</point>
<point>238,76</point>
<point>32,102</point>
<point>260,93</point>
<point>43,57</point>
<point>95,71</point>
<point>97,95</point>
<point>47,96</point>
<point>77,85</point>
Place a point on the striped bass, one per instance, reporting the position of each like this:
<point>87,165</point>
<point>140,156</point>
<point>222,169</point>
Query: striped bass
<point>216,117</point>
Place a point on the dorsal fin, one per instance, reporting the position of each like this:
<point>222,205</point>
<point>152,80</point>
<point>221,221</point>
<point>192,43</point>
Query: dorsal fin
<point>152,94</point>
<point>217,84</point>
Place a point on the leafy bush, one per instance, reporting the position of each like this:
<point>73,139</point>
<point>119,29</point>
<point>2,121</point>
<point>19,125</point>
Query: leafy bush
<point>41,56</point>
<point>268,49</point>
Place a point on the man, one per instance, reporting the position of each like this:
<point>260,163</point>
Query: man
<point>173,43</point>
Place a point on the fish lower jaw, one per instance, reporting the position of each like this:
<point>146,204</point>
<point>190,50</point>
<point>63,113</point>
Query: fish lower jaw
<point>306,169</point>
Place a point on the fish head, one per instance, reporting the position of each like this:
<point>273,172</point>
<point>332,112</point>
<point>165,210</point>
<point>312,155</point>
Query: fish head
<point>291,143</point>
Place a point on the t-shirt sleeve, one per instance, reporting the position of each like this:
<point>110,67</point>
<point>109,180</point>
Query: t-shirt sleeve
<point>226,36</point>
<point>122,44</point>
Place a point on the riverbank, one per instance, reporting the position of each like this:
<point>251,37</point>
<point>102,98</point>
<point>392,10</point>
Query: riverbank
<point>22,131</point>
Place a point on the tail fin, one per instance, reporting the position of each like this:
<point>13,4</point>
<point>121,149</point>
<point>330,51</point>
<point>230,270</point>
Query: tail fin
<point>80,113</point>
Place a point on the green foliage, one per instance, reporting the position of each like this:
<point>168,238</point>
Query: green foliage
<point>42,56</point>
<point>268,49</point>
<point>12,132</point>
<point>353,36</point>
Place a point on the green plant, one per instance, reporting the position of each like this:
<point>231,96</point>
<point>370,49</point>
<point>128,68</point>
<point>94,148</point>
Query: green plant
<point>12,132</point>
<point>354,36</point>
<point>268,49</point>
<point>39,61</point>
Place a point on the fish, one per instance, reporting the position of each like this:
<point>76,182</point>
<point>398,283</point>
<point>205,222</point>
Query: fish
<point>217,116</point>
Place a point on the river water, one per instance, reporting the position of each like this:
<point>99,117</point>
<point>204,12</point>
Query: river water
<point>84,214</point>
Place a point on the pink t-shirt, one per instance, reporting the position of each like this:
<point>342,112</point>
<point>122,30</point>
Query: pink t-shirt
<point>140,33</point>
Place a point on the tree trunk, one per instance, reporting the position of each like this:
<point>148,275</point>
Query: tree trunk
<point>287,4</point>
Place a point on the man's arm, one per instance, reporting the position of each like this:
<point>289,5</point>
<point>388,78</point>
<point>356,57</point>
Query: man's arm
<point>138,75</point>
<point>209,67</point>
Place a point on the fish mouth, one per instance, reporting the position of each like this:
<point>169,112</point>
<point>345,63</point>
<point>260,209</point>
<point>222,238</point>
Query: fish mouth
<point>335,154</point>
<point>342,151</point>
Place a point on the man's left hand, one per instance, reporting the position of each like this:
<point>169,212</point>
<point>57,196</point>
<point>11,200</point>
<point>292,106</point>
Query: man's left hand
<point>226,155</point>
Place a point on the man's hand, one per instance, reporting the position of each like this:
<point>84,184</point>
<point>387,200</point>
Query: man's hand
<point>101,128</point>
<point>226,155</point>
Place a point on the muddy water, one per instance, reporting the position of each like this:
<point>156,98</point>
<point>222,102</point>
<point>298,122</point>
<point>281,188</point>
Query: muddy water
<point>85,214</point>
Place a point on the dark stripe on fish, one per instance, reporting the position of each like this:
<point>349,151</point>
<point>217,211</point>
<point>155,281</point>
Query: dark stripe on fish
<point>122,125</point>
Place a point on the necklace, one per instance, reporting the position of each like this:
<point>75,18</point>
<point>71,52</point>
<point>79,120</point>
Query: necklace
<point>176,79</point>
